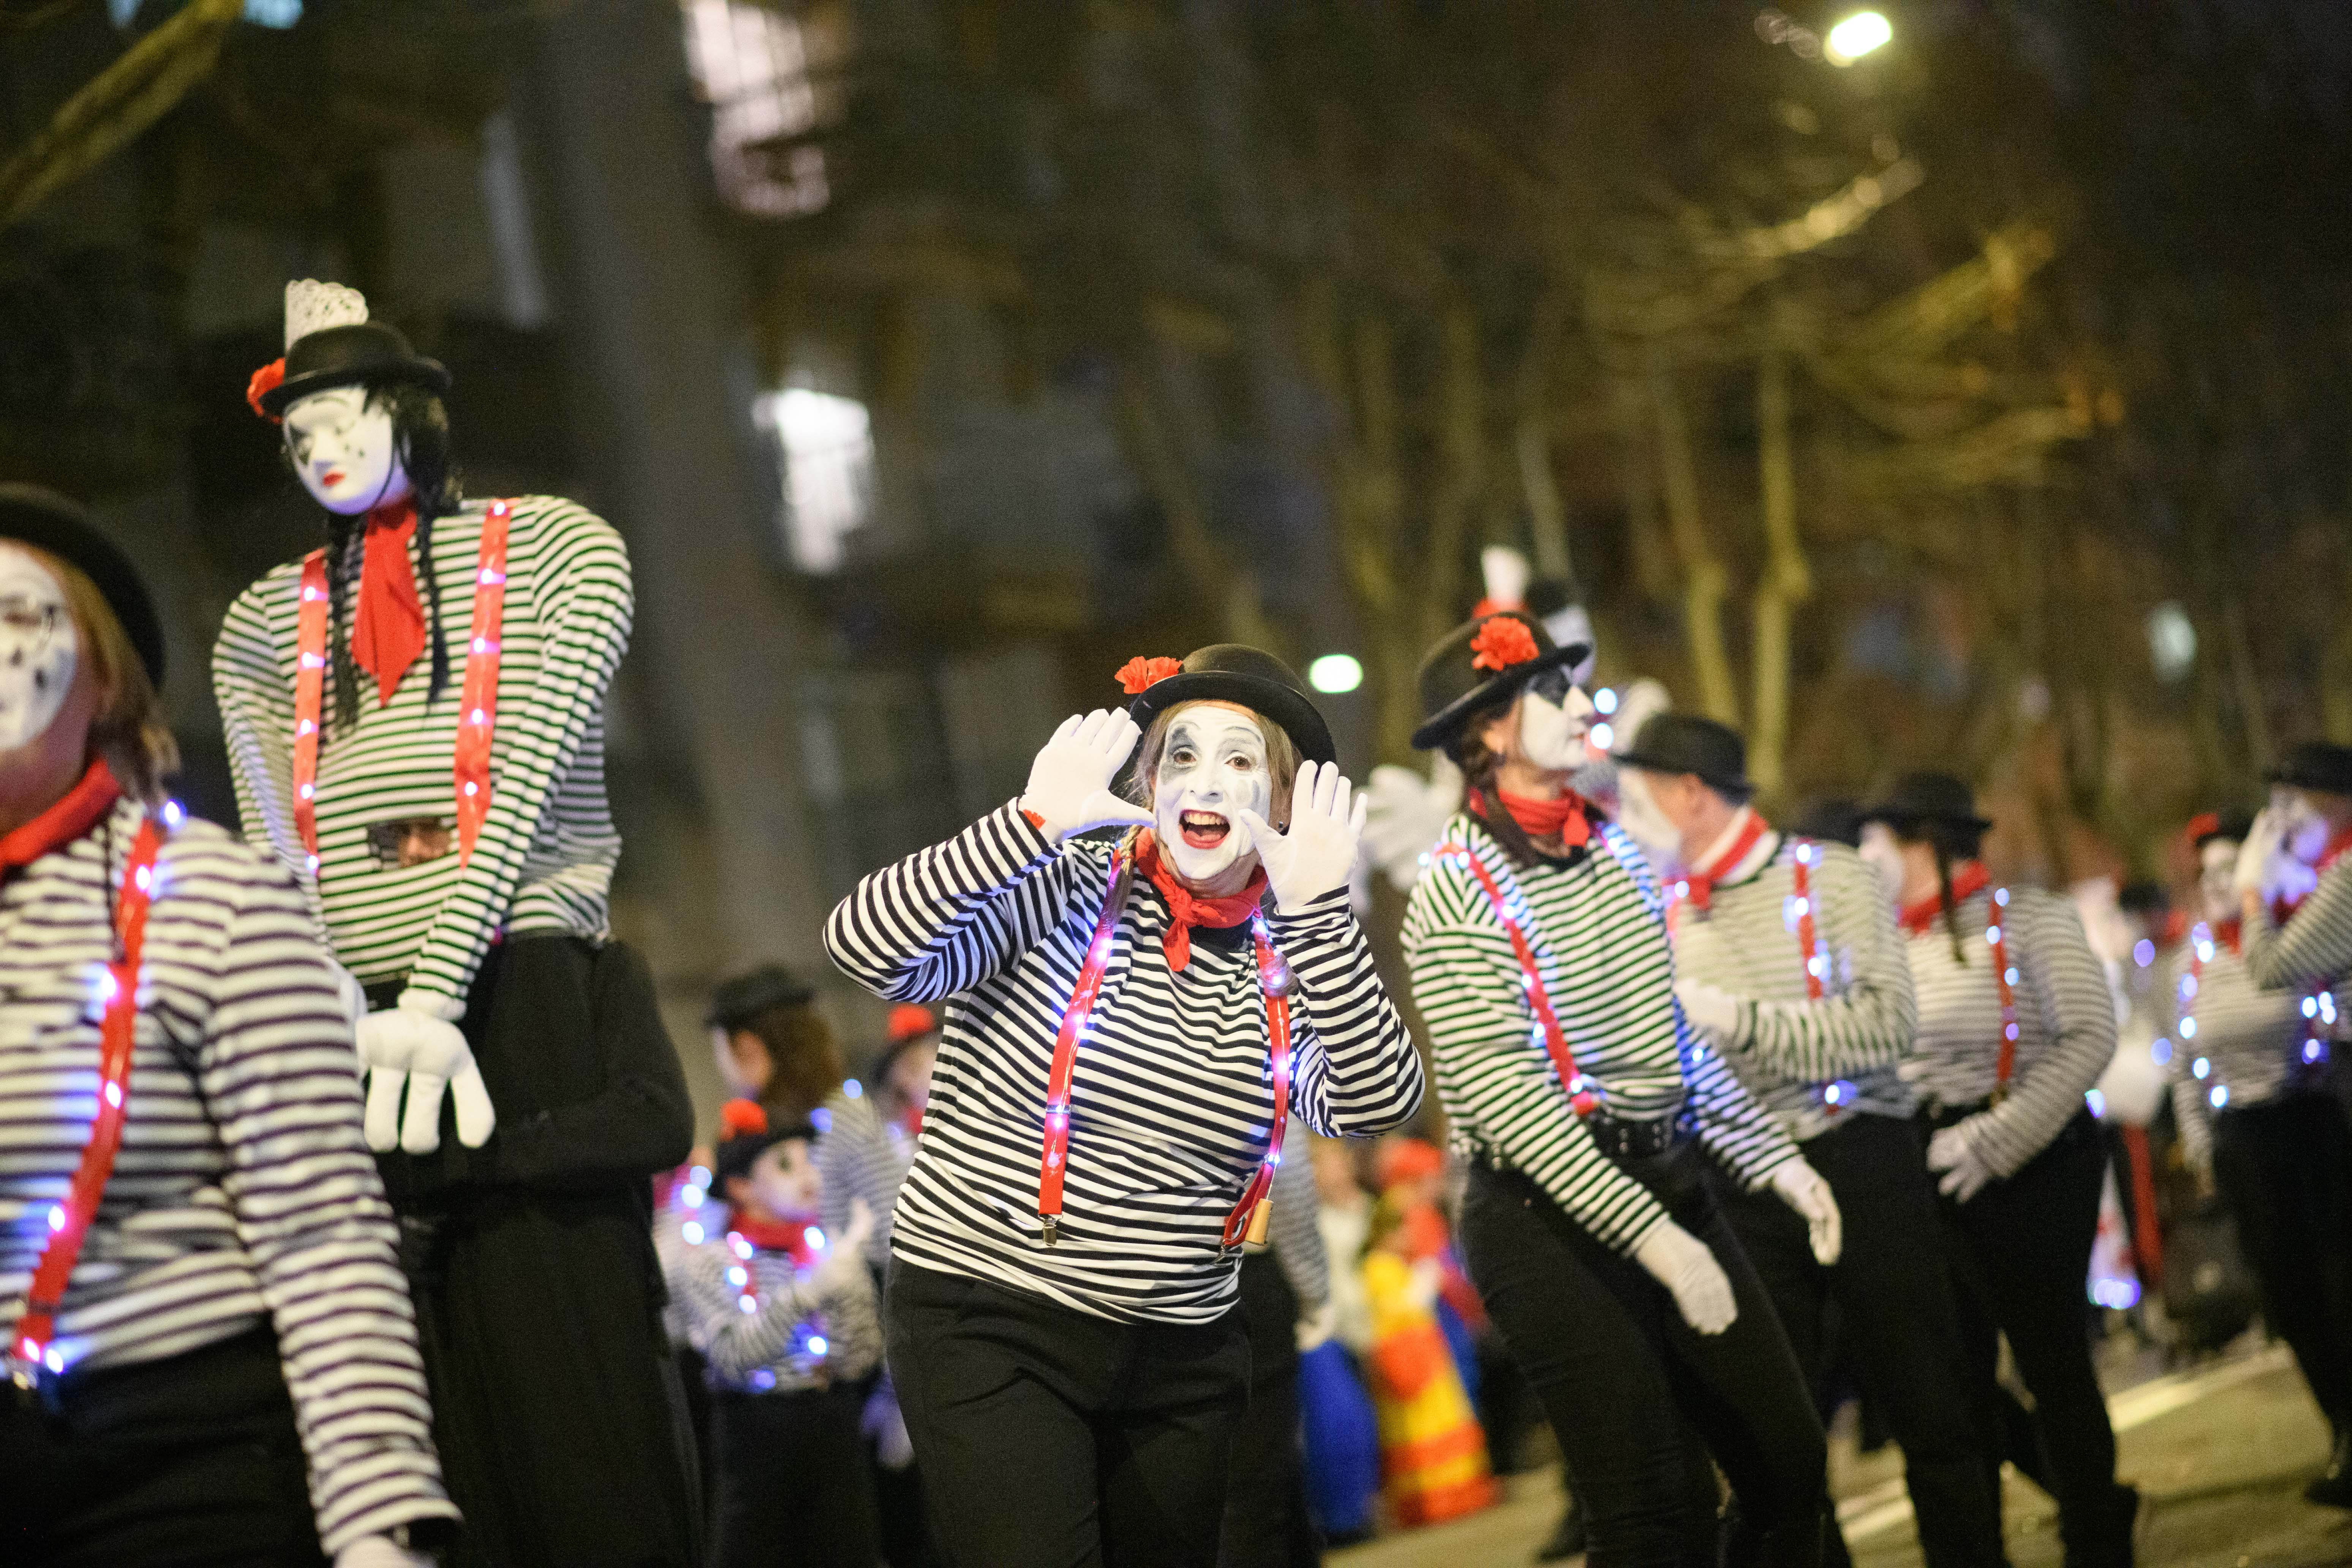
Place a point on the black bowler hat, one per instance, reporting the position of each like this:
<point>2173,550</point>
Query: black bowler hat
<point>1481,662</point>
<point>746,1133</point>
<point>743,998</point>
<point>2234,825</point>
<point>1926,798</point>
<point>1833,818</point>
<point>1687,743</point>
<point>1231,673</point>
<point>2316,764</point>
<point>48,522</point>
<point>358,353</point>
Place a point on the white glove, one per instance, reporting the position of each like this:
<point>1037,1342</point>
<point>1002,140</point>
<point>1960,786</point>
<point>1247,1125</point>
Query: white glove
<point>1804,1189</point>
<point>1682,1263</point>
<point>1953,1154</point>
<point>1069,782</point>
<point>354,994</point>
<point>2266,867</point>
<point>843,1267</point>
<point>380,1552</point>
<point>1327,822</point>
<point>1313,1331</point>
<point>1405,815</point>
<point>886,1423</point>
<point>412,1047</point>
<point>1712,1011</point>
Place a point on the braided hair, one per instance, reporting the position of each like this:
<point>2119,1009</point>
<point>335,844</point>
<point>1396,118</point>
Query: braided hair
<point>1480,763</point>
<point>1951,842</point>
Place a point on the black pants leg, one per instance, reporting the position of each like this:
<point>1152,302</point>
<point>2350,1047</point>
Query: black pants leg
<point>1637,1398</point>
<point>2285,1171</point>
<point>1266,1524</point>
<point>1053,1439</point>
<point>793,1491</point>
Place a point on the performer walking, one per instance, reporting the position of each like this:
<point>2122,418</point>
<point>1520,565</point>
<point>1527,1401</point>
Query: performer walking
<point>214,1357</point>
<point>1790,963</point>
<point>1540,962</point>
<point>1122,1008</point>
<point>439,796</point>
<point>2016,1024</point>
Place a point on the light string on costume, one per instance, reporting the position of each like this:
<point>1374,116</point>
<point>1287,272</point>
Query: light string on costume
<point>1798,912</point>
<point>477,710</point>
<point>807,1343</point>
<point>2005,977</point>
<point>30,1352</point>
<point>1583,1094</point>
<point>2311,1052</point>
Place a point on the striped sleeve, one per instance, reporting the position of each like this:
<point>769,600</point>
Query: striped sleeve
<point>256,711</point>
<point>1748,1138</point>
<point>1864,1023</point>
<point>2315,947</point>
<point>858,1160</point>
<point>2056,965</point>
<point>1295,1232</point>
<point>738,1343</point>
<point>1357,1074</point>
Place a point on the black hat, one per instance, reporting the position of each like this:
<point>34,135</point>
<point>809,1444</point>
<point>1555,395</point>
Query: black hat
<point>48,521</point>
<point>2233,825</point>
<point>743,998</point>
<point>1475,665</point>
<point>2316,764</point>
<point>1687,743</point>
<point>1833,818</point>
<point>356,353</point>
<point>748,1134</point>
<point>1235,672</point>
<point>1926,798</point>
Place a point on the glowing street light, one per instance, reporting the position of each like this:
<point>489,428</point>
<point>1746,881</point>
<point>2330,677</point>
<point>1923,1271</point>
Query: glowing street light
<point>1335,672</point>
<point>1856,37</point>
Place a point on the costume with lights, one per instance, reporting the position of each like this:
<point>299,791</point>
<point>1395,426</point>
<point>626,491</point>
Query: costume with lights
<point>415,719</point>
<point>1582,1101</point>
<point>1120,1057</point>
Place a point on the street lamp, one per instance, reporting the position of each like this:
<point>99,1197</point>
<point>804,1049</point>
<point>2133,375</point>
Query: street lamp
<point>1335,672</point>
<point>1856,37</point>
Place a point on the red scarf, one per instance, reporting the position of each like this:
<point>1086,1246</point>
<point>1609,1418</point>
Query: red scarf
<point>2229,932</point>
<point>1564,817</point>
<point>1699,885</point>
<point>1187,909</point>
<point>75,814</point>
<point>388,632</point>
<point>786,1235</point>
<point>1969,878</point>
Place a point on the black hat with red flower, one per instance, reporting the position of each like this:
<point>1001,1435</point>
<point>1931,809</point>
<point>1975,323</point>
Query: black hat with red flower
<point>1482,662</point>
<point>1230,672</point>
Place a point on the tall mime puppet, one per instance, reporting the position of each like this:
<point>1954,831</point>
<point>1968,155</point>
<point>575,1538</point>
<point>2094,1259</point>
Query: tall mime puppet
<point>1790,964</point>
<point>414,717</point>
<point>199,1278</point>
<point>2016,1024</point>
<point>1129,1026</point>
<point>1583,1100</point>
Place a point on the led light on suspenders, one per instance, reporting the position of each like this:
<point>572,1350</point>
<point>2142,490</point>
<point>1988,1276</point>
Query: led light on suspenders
<point>2004,974</point>
<point>1054,1157</point>
<point>1585,1095</point>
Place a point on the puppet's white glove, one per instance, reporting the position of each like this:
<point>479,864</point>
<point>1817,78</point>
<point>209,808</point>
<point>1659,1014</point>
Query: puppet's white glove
<point>1682,1263</point>
<point>843,1265</point>
<point>412,1047</point>
<point>381,1552</point>
<point>1802,1188</point>
<point>1712,1011</point>
<point>1069,781</point>
<point>1405,815</point>
<point>1319,852</point>
<point>1963,1171</point>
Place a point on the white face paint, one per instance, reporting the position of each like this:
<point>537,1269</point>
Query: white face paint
<point>1885,856</point>
<point>342,447</point>
<point>1639,814</point>
<point>1551,728</point>
<point>2303,832</point>
<point>37,647</point>
<point>1213,767</point>
<point>2216,875</point>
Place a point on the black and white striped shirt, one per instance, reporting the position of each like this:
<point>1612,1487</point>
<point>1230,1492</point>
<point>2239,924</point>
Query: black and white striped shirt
<point>244,1195</point>
<point>545,860</point>
<point>798,1335</point>
<point>2234,1044</point>
<point>1295,1232</point>
<point>2065,1020</point>
<point>1171,1097</point>
<point>1790,1051</point>
<point>2315,947</point>
<point>861,1156</point>
<point>1598,927</point>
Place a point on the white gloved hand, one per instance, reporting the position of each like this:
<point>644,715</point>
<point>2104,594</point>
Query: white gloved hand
<point>1314,1331</point>
<point>1069,781</point>
<point>1327,822</point>
<point>354,994</point>
<point>1712,1011</point>
<point>381,1552</point>
<point>1405,815</point>
<point>1682,1263</point>
<point>2265,867</point>
<point>1802,1188</point>
<point>1952,1153</point>
<point>843,1265</point>
<point>886,1423</point>
<point>411,1046</point>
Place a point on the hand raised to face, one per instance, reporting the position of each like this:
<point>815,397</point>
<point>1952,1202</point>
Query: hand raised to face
<point>1319,852</point>
<point>1069,781</point>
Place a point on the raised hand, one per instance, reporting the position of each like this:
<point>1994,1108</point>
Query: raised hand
<point>408,1049</point>
<point>1069,781</point>
<point>1327,823</point>
<point>1682,1263</point>
<point>843,1265</point>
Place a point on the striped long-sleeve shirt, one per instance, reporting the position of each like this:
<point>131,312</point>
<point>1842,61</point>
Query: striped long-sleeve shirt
<point>1789,1050</point>
<point>1170,1099</point>
<point>1294,1234</point>
<point>2065,1020</point>
<point>545,860</point>
<point>1598,927</point>
<point>861,1156</point>
<point>800,1333</point>
<point>2314,949</point>
<point>244,1195</point>
<point>2234,1044</point>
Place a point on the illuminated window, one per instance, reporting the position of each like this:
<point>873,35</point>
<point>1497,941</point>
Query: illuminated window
<point>770,78</point>
<point>827,445</point>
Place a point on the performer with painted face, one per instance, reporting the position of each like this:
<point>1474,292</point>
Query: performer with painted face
<point>415,717</point>
<point>2016,1024</point>
<point>214,1355</point>
<point>1582,1098</point>
<point>1130,1026</point>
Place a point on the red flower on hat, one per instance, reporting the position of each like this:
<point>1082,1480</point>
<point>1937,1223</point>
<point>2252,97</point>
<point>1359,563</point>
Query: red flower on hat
<point>742,1118</point>
<point>265,380</point>
<point>1138,673</point>
<point>1502,642</point>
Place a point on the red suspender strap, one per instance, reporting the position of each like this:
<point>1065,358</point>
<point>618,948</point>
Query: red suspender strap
<point>479,712</point>
<point>1582,1095</point>
<point>1056,1152</point>
<point>30,1351</point>
<point>1246,1225</point>
<point>309,693</point>
<point>2005,977</point>
<point>1811,950</point>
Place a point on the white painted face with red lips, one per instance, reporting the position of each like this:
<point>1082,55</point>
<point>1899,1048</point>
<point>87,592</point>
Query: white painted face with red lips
<point>38,649</point>
<point>344,449</point>
<point>1213,768</point>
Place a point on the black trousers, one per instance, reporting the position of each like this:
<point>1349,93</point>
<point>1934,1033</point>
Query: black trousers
<point>1053,1439</point>
<point>1638,1398</point>
<point>1267,1523</point>
<point>2020,1256</point>
<point>190,1460</point>
<point>1898,1326</point>
<point>2284,1170</point>
<point>794,1489</point>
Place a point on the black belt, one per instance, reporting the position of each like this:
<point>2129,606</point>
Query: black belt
<point>1939,1117</point>
<point>1623,1140</point>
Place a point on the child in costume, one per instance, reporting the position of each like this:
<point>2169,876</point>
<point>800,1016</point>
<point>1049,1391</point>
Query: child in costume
<point>1432,1452</point>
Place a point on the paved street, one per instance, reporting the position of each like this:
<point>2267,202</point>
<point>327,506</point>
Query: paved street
<point>2220,1453</point>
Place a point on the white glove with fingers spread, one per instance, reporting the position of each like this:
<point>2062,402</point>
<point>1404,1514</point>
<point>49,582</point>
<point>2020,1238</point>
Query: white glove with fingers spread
<point>1682,1263</point>
<point>1804,1189</point>
<point>1952,1154</point>
<point>843,1265</point>
<point>381,1552</point>
<point>1712,1011</point>
<point>1069,781</point>
<point>1318,853</point>
<point>412,1047</point>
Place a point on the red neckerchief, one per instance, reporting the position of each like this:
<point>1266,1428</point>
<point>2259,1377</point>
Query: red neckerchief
<point>910,1121</point>
<point>2229,932</point>
<point>1187,909</point>
<point>1564,817</point>
<point>786,1235</point>
<point>388,631</point>
<point>1969,878</point>
<point>1700,883</point>
<point>75,814</point>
